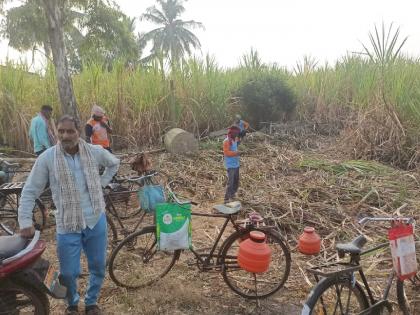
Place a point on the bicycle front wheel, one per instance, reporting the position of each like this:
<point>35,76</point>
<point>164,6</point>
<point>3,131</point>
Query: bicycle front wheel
<point>332,296</point>
<point>408,294</point>
<point>408,291</point>
<point>136,262</point>
<point>253,285</point>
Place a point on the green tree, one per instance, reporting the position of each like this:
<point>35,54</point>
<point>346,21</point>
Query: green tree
<point>174,38</point>
<point>25,27</point>
<point>110,35</point>
<point>51,31</point>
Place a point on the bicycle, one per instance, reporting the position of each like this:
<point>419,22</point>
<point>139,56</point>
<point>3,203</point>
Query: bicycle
<point>122,192</point>
<point>338,292</point>
<point>137,263</point>
<point>9,200</point>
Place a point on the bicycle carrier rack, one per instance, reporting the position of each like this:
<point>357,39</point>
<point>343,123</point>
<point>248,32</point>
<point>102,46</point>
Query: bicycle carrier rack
<point>334,269</point>
<point>10,188</point>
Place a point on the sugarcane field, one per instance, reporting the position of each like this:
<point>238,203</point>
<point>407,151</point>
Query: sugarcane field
<point>197,157</point>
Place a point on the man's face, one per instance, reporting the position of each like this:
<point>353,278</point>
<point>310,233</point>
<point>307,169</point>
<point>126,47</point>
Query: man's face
<point>47,113</point>
<point>68,135</point>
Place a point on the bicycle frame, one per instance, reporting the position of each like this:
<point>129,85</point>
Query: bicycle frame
<point>349,270</point>
<point>110,207</point>
<point>206,262</point>
<point>205,258</point>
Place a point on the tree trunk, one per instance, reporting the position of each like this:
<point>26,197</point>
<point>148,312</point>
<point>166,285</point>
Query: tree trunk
<point>47,51</point>
<point>54,15</point>
<point>172,104</point>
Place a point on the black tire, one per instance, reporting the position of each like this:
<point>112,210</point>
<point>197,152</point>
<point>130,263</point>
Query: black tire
<point>408,291</point>
<point>9,217</point>
<point>17,297</point>
<point>243,282</point>
<point>112,232</point>
<point>39,214</point>
<point>408,295</point>
<point>324,296</point>
<point>136,262</point>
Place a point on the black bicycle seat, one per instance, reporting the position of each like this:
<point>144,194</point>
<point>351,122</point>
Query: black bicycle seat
<point>353,247</point>
<point>11,245</point>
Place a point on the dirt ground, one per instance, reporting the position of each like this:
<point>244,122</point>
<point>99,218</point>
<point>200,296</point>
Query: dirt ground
<point>275,184</point>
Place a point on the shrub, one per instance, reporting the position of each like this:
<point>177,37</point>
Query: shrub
<point>266,96</point>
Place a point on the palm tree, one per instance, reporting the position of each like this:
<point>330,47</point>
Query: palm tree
<point>174,37</point>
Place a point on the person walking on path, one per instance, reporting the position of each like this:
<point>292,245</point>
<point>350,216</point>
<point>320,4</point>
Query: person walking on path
<point>97,128</point>
<point>40,131</point>
<point>72,169</point>
<point>231,161</point>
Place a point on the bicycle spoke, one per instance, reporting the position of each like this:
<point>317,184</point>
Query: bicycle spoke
<point>252,285</point>
<point>136,262</point>
<point>340,298</point>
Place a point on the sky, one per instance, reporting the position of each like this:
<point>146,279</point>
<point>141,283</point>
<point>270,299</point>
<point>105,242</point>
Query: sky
<point>283,31</point>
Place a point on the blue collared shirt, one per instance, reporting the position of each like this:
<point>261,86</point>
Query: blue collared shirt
<point>38,132</point>
<point>43,171</point>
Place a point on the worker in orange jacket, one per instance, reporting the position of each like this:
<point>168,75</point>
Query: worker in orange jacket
<point>97,128</point>
<point>231,161</point>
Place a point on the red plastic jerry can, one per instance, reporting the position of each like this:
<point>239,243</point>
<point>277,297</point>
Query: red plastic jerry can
<point>254,254</point>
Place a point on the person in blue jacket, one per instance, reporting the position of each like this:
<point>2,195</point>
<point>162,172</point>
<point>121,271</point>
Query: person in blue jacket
<point>242,125</point>
<point>40,131</point>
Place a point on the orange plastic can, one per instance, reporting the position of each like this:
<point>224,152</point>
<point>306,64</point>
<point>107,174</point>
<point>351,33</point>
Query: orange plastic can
<point>254,254</point>
<point>309,241</point>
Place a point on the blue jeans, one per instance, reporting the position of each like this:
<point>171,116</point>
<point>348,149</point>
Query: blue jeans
<point>232,183</point>
<point>69,247</point>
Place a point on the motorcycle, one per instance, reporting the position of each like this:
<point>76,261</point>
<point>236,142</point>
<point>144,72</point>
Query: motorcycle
<point>26,279</point>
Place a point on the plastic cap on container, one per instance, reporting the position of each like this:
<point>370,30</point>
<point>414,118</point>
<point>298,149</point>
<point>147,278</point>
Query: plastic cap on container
<point>257,235</point>
<point>309,229</point>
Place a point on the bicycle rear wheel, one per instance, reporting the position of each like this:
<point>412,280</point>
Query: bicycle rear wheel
<point>136,262</point>
<point>252,285</point>
<point>332,296</point>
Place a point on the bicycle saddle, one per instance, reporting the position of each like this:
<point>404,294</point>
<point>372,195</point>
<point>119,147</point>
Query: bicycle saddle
<point>229,208</point>
<point>353,247</point>
<point>11,245</point>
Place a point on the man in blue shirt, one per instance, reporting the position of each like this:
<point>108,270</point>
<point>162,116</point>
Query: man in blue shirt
<point>72,169</point>
<point>40,132</point>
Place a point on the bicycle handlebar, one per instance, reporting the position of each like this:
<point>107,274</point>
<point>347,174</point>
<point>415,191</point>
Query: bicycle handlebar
<point>173,195</point>
<point>140,178</point>
<point>9,164</point>
<point>385,219</point>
